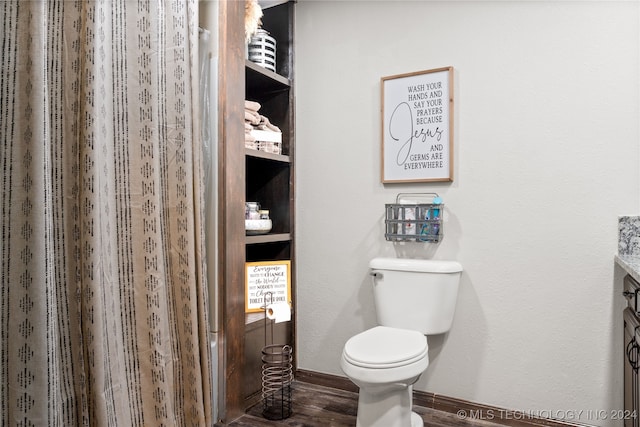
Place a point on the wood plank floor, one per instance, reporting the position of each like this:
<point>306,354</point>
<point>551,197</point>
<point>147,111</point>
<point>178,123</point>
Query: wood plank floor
<point>319,406</point>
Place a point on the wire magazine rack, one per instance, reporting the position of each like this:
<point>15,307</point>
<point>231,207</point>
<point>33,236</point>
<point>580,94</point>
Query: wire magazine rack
<point>407,220</point>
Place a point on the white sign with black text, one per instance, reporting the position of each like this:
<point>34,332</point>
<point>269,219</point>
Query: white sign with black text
<point>417,118</point>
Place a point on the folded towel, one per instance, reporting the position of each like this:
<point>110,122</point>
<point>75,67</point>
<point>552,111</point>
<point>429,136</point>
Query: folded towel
<point>251,106</point>
<point>251,117</point>
<point>265,124</point>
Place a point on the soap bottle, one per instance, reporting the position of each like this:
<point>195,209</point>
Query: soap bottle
<point>437,201</point>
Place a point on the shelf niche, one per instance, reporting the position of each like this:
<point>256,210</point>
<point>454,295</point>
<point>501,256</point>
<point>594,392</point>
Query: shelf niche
<point>269,180</point>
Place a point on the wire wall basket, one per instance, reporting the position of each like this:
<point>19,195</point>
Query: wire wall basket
<point>277,375</point>
<point>407,220</point>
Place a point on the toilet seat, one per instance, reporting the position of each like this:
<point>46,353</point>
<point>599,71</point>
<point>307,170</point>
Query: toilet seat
<point>382,347</point>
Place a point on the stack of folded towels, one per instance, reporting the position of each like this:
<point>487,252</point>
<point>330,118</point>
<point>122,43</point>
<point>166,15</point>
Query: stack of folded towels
<point>259,132</point>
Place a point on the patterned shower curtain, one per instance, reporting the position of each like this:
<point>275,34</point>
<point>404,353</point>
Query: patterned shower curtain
<point>103,301</point>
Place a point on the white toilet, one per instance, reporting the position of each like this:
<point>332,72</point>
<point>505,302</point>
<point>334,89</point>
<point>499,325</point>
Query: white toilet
<point>413,298</point>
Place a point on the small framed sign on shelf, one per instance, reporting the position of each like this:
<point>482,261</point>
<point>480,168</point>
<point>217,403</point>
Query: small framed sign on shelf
<point>267,277</point>
<point>417,125</point>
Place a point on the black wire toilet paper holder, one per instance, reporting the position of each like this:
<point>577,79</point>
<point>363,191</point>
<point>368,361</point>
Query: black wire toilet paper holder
<point>277,372</point>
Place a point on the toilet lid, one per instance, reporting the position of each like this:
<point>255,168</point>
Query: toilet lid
<point>384,347</point>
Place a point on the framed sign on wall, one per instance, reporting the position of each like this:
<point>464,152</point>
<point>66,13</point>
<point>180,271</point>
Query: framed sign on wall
<point>267,277</point>
<point>417,124</point>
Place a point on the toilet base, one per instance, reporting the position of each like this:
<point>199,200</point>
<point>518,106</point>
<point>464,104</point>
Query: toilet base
<point>387,407</point>
<point>416,420</point>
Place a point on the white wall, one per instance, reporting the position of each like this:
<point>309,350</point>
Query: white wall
<point>546,158</point>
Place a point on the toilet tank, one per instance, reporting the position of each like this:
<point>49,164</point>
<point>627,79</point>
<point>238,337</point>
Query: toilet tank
<point>415,294</point>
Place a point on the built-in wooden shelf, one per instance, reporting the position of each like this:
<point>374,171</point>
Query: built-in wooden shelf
<point>259,79</point>
<point>268,156</point>
<point>265,178</point>
<point>251,318</point>
<point>268,238</point>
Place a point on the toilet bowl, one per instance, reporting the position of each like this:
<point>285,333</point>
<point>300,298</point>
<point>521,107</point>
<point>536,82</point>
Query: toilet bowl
<point>385,363</point>
<point>413,298</point>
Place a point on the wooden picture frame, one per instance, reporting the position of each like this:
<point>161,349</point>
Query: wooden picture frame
<point>417,126</point>
<point>263,277</point>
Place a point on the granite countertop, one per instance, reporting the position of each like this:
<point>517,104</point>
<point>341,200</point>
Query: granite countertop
<point>628,256</point>
<point>630,264</point>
